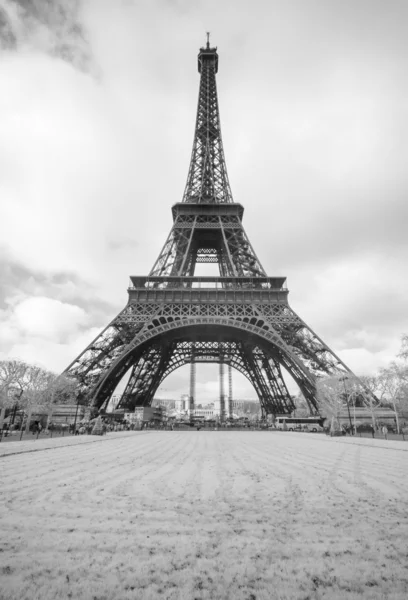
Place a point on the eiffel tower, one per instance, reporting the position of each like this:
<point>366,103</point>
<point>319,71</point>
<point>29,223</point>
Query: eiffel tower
<point>241,318</point>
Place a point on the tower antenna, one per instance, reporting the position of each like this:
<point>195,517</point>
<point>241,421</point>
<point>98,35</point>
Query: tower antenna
<point>208,40</point>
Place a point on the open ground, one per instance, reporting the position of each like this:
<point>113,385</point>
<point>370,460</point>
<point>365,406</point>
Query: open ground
<point>199,515</point>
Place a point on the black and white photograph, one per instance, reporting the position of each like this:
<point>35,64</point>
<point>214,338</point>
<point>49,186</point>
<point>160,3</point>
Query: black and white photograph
<point>203,300</point>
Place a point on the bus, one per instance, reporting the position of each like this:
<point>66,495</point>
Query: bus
<point>313,424</point>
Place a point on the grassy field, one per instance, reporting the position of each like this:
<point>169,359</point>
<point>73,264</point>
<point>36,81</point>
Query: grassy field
<point>204,515</point>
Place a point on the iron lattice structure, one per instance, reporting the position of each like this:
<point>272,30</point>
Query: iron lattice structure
<point>241,318</point>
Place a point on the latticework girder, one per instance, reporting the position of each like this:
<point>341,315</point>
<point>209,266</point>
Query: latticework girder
<point>207,180</point>
<point>207,238</point>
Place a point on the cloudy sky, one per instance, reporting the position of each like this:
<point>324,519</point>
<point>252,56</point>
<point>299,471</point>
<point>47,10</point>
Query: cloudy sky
<point>97,115</point>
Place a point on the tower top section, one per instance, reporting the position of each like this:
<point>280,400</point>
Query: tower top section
<point>207,180</point>
<point>208,56</point>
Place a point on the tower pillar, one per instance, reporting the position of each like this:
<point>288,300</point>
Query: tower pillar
<point>222,389</point>
<point>229,391</point>
<point>192,385</point>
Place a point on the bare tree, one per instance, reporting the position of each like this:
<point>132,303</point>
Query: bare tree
<point>60,390</point>
<point>12,374</point>
<point>337,392</point>
<point>393,383</point>
<point>33,388</point>
<point>330,394</point>
<point>36,384</point>
<point>403,353</point>
<point>372,394</point>
<point>353,391</point>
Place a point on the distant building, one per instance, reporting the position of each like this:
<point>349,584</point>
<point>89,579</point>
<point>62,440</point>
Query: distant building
<point>246,408</point>
<point>211,410</point>
<point>65,413</point>
<point>143,414</point>
<point>381,415</point>
<point>205,413</point>
<point>179,405</point>
<point>168,403</point>
<point>113,403</point>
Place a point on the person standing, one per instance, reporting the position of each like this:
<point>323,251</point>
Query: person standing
<point>384,430</point>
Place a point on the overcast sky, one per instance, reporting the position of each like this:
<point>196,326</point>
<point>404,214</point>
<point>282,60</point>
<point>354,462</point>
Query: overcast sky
<point>97,111</point>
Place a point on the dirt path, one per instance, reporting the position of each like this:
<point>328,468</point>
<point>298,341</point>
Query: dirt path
<point>197,515</point>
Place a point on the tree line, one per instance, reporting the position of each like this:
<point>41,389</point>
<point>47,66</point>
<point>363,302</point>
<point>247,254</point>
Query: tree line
<point>388,388</point>
<point>32,388</point>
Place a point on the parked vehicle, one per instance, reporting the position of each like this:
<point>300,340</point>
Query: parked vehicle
<point>311,424</point>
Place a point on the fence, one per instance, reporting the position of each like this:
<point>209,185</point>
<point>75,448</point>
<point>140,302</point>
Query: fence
<point>62,430</point>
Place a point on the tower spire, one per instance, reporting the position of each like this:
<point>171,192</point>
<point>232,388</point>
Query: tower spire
<point>207,180</point>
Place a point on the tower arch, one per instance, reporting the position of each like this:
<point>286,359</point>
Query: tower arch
<point>251,344</point>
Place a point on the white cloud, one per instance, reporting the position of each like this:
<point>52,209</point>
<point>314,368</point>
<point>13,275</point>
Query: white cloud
<point>47,353</point>
<point>44,331</point>
<point>365,361</point>
<point>48,318</point>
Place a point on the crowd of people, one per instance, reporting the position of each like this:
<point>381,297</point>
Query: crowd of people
<point>87,427</point>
